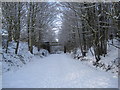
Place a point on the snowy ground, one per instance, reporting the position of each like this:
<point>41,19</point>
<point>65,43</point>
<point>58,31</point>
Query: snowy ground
<point>13,62</point>
<point>0,75</point>
<point>0,66</point>
<point>111,58</point>
<point>58,71</point>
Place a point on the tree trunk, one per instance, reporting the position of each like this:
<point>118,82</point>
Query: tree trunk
<point>18,29</point>
<point>9,36</point>
<point>28,28</point>
<point>38,42</point>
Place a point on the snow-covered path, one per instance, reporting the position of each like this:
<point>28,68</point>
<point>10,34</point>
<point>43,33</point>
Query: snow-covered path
<point>58,71</point>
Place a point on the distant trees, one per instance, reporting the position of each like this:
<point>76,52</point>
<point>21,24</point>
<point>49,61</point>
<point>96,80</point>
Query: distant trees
<point>11,21</point>
<point>18,27</point>
<point>7,20</point>
<point>29,18</point>
<point>0,31</point>
<point>83,25</point>
<point>32,8</point>
<point>95,22</point>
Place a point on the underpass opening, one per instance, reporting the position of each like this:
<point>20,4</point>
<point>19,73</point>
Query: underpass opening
<point>54,47</point>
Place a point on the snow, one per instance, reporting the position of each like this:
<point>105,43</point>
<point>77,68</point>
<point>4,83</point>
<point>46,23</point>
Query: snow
<point>3,32</point>
<point>111,58</point>
<point>0,75</point>
<point>58,71</point>
<point>11,61</point>
<point>26,70</point>
<point>0,67</point>
<point>112,53</point>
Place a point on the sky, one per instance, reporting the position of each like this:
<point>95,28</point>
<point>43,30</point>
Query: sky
<point>57,23</point>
